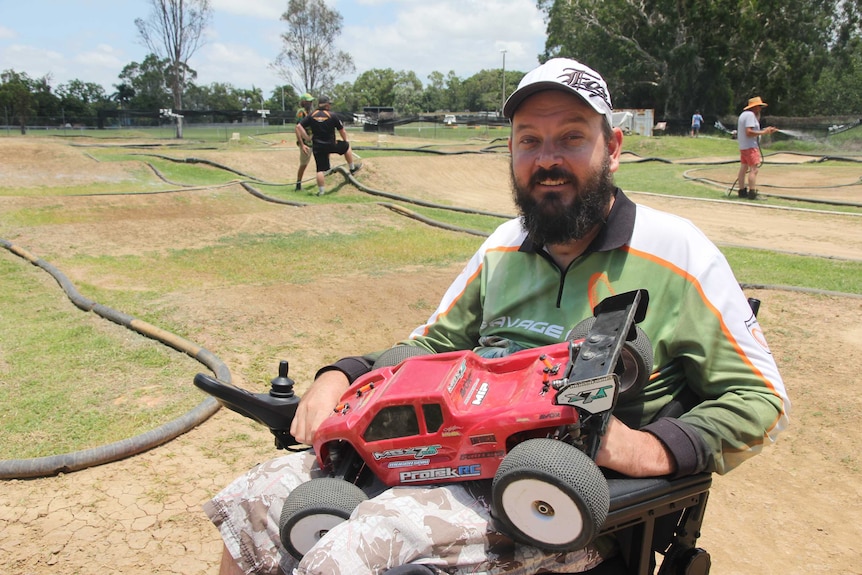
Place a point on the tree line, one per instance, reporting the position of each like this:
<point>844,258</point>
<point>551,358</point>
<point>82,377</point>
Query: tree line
<point>143,91</point>
<point>804,57</point>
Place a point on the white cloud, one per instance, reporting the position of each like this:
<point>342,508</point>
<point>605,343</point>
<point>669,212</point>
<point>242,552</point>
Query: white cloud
<point>234,63</point>
<point>103,56</point>
<point>464,36</point>
<point>7,34</point>
<point>35,62</point>
<point>265,9</point>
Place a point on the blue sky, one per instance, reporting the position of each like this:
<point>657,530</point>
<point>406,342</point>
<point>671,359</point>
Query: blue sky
<point>92,40</point>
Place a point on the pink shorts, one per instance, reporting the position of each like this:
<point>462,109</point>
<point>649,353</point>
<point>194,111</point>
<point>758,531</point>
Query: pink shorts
<point>750,157</point>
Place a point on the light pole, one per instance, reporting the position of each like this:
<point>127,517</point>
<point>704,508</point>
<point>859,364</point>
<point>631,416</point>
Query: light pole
<point>503,103</point>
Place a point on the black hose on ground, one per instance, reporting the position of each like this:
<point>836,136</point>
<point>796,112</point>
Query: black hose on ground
<point>77,460</point>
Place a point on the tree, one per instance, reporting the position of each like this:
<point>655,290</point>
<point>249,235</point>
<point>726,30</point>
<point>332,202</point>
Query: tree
<point>148,82</point>
<point>174,32</point>
<point>283,98</point>
<point>434,94</point>
<point>309,59</point>
<point>680,55</point>
<point>484,91</point>
<point>124,94</point>
<point>80,100</point>
<point>16,96</point>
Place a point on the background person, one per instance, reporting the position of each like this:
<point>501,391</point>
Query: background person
<point>305,103</point>
<point>323,125</point>
<point>748,134</point>
<point>696,122</point>
<point>578,240</point>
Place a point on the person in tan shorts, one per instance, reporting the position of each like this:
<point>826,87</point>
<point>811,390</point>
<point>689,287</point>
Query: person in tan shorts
<point>305,105</point>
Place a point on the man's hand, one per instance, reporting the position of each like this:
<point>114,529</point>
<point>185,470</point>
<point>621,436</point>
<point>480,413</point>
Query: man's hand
<point>317,404</point>
<point>633,453</point>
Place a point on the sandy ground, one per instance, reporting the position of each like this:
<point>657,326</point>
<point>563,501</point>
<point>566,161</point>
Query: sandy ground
<point>794,509</point>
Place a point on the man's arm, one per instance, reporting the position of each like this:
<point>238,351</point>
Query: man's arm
<point>634,453</point>
<point>301,135</point>
<point>317,404</point>
<point>752,133</point>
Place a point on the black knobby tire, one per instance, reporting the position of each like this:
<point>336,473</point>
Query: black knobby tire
<point>312,509</point>
<point>550,495</point>
<point>637,358</point>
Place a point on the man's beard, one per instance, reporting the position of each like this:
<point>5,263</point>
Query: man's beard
<point>549,221</point>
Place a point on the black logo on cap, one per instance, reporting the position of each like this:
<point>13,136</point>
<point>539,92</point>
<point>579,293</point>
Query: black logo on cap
<point>582,80</point>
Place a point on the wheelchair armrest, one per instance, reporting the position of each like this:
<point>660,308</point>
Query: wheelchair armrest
<point>659,514</point>
<point>639,499</point>
<point>636,500</point>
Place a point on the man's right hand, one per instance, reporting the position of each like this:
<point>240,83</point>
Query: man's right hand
<point>317,404</point>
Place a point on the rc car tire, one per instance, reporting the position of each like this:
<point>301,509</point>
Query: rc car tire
<point>312,509</point>
<point>637,358</point>
<point>550,495</point>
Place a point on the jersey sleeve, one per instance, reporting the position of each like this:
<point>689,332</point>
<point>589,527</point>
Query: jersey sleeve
<point>708,341</point>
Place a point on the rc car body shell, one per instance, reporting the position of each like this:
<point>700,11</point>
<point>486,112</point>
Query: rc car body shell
<point>447,417</point>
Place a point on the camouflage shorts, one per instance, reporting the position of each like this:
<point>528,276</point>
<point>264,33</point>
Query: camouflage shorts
<point>446,527</point>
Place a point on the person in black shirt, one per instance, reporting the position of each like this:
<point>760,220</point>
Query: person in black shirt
<point>323,124</point>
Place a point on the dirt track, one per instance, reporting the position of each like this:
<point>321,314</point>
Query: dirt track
<point>794,509</point>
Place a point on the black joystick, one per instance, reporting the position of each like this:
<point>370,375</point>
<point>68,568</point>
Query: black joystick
<point>282,386</point>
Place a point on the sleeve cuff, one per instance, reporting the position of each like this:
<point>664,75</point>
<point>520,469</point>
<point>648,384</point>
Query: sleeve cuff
<point>685,444</point>
<point>352,367</point>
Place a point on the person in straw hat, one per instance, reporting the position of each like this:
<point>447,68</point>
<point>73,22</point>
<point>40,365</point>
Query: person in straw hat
<point>748,134</point>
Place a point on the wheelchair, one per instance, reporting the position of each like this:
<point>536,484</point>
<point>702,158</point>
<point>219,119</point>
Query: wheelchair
<point>647,516</point>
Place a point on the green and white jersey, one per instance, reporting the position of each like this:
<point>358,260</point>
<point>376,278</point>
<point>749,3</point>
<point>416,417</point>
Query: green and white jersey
<point>511,295</point>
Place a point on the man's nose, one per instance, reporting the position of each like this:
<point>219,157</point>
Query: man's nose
<point>549,155</point>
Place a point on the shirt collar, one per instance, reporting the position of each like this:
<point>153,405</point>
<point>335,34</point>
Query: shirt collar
<point>616,232</point>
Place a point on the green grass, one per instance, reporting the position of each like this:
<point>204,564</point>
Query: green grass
<point>297,258</point>
<point>51,350</point>
<point>765,267</point>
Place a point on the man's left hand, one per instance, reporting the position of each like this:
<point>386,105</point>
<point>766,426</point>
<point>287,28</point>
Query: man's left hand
<point>633,453</point>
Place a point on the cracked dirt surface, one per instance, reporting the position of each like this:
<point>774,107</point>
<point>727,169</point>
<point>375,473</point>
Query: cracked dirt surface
<point>793,509</point>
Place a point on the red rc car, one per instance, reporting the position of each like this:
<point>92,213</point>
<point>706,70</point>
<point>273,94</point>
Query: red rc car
<point>531,422</point>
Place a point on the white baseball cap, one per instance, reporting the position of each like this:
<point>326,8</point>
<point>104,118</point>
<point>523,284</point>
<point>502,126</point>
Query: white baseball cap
<point>568,75</point>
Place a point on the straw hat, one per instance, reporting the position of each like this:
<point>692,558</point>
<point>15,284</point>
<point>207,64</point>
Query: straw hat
<point>754,103</point>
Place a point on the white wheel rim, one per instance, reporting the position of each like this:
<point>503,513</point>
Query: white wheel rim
<point>542,511</point>
<point>306,532</point>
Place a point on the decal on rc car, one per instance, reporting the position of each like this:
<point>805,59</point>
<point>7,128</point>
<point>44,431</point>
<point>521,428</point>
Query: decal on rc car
<point>593,395</point>
<point>415,452</point>
<point>440,473</point>
<point>480,395</point>
<point>483,455</point>
<point>469,395</point>
<point>477,439</point>
<point>407,463</point>
<point>454,431</point>
<point>457,377</point>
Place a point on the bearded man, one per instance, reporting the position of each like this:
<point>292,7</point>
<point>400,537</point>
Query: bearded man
<point>578,240</point>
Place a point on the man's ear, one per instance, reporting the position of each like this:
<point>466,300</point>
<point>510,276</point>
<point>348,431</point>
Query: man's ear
<point>615,148</point>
